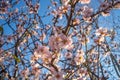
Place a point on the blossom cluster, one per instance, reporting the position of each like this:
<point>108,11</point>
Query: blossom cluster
<point>67,44</point>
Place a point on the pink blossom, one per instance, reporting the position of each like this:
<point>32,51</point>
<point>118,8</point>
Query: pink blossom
<point>46,58</point>
<point>57,75</point>
<point>3,10</point>
<point>79,58</point>
<point>9,38</point>
<point>99,40</point>
<point>43,53</point>
<point>117,6</point>
<point>104,7</point>
<point>80,52</point>
<point>1,50</point>
<point>54,42</point>
<point>84,39</point>
<point>3,7</point>
<point>25,72</point>
<point>87,12</point>
<point>34,9</point>
<point>20,29</point>
<point>54,12</point>
<point>68,55</point>
<point>1,59</point>
<point>85,1</point>
<point>31,10</point>
<point>66,41</point>
<point>54,3</point>
<point>76,21</point>
<point>36,26</point>
<point>42,37</point>
<point>65,8</point>
<point>35,57</point>
<point>42,50</point>
<point>60,15</point>
<point>105,13</point>
<point>101,32</point>
<point>37,6</point>
<point>61,10</point>
<point>35,69</point>
<point>65,2</point>
<point>48,27</point>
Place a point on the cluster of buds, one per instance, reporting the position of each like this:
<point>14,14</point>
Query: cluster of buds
<point>101,33</point>
<point>34,9</point>
<point>3,7</point>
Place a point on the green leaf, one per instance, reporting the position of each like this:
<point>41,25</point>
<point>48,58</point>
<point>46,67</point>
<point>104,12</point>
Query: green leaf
<point>60,1</point>
<point>1,30</point>
<point>16,58</point>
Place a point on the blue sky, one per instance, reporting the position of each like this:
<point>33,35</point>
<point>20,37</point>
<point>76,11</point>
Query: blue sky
<point>103,21</point>
<point>42,11</point>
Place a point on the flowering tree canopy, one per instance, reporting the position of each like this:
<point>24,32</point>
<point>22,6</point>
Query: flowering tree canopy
<point>72,40</point>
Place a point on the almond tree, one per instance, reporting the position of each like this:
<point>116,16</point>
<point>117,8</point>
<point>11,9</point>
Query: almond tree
<point>80,42</point>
